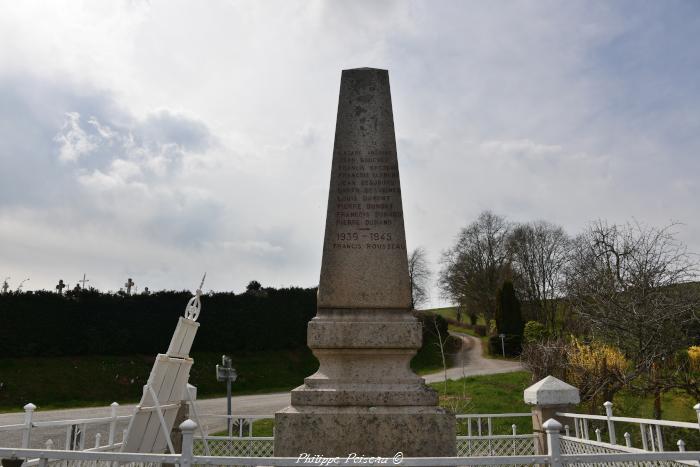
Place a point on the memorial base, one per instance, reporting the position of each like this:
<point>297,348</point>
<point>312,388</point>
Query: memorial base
<point>365,431</point>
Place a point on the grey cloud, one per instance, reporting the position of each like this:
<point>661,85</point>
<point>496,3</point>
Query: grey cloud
<point>74,149</point>
<point>166,126</point>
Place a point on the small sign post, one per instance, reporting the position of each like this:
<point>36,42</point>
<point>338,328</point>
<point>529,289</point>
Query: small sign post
<point>225,372</point>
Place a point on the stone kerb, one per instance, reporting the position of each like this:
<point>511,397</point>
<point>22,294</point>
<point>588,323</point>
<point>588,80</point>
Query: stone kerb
<point>547,397</point>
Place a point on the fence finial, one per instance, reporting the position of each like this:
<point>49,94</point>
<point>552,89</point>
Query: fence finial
<point>553,427</point>
<point>611,425</point>
<point>28,415</point>
<point>187,429</point>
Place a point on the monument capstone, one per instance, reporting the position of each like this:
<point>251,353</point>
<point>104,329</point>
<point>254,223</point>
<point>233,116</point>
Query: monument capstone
<point>364,398</point>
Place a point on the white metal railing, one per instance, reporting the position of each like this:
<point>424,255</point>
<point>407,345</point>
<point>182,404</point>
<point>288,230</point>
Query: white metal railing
<point>651,431</point>
<point>477,421</point>
<point>243,424</point>
<point>93,434</point>
<point>554,458</point>
<point>248,446</point>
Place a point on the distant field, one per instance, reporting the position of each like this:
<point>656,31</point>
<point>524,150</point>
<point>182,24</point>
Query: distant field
<point>451,312</point>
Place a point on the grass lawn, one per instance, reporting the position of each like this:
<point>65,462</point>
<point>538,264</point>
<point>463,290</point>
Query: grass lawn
<point>89,381</point>
<point>503,393</point>
<point>60,382</point>
<point>260,428</point>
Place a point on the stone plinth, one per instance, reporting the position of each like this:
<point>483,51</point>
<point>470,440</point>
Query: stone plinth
<point>364,398</point>
<point>369,431</point>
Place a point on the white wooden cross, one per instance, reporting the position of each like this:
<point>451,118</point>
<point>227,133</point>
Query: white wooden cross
<point>84,281</point>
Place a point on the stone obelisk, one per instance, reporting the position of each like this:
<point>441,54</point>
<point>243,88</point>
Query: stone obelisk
<point>364,398</point>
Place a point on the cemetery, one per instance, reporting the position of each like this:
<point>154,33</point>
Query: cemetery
<point>365,404</point>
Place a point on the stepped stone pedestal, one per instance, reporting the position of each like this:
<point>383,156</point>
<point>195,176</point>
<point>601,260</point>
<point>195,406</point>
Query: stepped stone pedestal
<point>364,398</point>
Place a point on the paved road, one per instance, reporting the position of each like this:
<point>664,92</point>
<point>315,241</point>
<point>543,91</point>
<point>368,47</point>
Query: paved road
<point>468,362</point>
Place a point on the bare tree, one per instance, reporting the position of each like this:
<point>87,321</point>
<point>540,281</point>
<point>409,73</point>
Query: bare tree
<point>544,358</point>
<point>474,267</point>
<point>540,254</point>
<point>418,275</point>
<point>441,341</point>
<point>630,282</point>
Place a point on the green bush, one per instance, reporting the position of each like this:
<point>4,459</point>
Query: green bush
<point>534,332</point>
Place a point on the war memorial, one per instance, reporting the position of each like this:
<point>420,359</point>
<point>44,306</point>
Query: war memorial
<point>364,397</point>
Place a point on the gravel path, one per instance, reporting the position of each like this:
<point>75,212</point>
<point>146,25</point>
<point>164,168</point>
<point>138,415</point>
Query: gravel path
<point>470,361</point>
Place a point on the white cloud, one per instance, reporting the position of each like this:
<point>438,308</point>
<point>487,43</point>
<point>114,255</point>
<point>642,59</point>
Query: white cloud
<point>73,141</point>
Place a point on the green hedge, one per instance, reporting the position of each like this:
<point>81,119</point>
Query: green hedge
<point>92,323</point>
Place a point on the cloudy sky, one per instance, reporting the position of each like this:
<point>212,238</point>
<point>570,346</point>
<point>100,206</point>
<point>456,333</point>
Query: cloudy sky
<point>158,140</point>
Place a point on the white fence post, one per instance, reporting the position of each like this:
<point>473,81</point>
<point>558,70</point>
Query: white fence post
<point>628,440</point>
<point>642,431</point>
<point>28,415</point>
<point>659,438</point>
<point>553,427</point>
<point>547,397</point>
<point>681,445</point>
<point>697,411</point>
<point>598,436</point>
<point>187,429</point>
<point>611,425</point>
<point>113,424</point>
<point>98,438</point>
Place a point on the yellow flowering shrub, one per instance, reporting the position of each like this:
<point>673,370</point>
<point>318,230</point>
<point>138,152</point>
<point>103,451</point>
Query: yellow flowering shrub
<point>595,368</point>
<point>694,356</point>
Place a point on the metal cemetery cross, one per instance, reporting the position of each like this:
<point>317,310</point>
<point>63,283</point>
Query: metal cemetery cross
<point>225,372</point>
<point>84,281</point>
<point>129,284</point>
<point>60,286</point>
